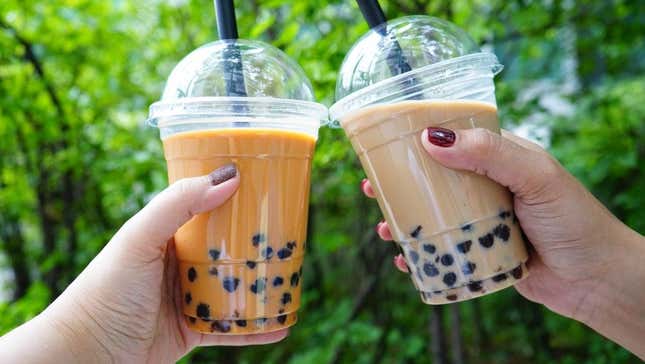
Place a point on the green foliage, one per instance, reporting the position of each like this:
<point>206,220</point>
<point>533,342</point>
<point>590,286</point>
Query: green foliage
<point>609,131</point>
<point>13,314</point>
<point>77,76</point>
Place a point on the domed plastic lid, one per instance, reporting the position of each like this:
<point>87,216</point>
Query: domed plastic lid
<point>236,78</point>
<point>403,56</point>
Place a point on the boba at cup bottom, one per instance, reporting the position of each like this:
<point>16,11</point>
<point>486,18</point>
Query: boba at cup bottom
<point>241,326</point>
<point>478,288</point>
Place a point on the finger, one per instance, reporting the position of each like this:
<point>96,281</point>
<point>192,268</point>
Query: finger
<point>524,171</point>
<point>244,340</point>
<point>159,220</point>
<point>521,141</point>
<point>366,187</point>
<point>383,231</point>
<point>400,264</point>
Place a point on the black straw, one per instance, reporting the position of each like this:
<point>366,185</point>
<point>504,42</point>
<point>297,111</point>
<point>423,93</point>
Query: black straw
<point>226,24</point>
<point>373,14</point>
<point>227,29</point>
<point>233,71</point>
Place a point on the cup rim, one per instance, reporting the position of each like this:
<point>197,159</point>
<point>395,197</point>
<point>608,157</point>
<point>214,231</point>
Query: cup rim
<point>485,60</point>
<point>163,112</point>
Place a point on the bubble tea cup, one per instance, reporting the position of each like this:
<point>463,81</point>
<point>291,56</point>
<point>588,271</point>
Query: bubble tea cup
<point>240,265</point>
<point>457,229</point>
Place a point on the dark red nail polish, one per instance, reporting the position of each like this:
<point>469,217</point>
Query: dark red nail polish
<point>441,136</point>
<point>222,174</point>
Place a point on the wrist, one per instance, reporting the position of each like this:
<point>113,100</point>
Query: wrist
<point>75,337</point>
<point>615,307</point>
<point>44,339</point>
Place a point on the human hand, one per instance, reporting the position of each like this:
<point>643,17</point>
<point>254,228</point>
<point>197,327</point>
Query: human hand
<point>582,256</point>
<point>125,307</point>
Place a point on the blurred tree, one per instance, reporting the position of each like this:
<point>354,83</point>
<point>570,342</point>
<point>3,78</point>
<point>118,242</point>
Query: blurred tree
<point>76,77</point>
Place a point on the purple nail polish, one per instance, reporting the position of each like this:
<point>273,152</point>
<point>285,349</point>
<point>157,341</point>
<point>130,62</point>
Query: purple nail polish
<point>222,174</point>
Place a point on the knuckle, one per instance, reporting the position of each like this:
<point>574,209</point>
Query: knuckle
<point>545,183</point>
<point>551,168</point>
<point>484,143</point>
<point>181,187</point>
<point>183,196</point>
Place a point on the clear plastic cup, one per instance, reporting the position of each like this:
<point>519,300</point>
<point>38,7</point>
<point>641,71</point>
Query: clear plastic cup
<point>456,229</point>
<point>240,265</point>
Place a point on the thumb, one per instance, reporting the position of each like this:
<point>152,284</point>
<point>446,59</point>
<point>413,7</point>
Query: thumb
<point>525,171</point>
<point>158,221</point>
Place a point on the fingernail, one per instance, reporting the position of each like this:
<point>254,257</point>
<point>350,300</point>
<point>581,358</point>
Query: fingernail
<point>378,226</point>
<point>363,182</point>
<point>441,137</point>
<point>223,174</point>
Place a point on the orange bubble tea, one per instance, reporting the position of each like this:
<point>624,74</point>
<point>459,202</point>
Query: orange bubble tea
<point>240,265</point>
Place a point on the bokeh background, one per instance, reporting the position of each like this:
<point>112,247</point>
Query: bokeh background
<point>76,160</point>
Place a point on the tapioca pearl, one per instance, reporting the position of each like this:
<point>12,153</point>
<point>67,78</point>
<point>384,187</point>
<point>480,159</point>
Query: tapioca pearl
<point>451,297</point>
<point>430,270</point>
<point>517,272</point>
<point>282,319</point>
<point>259,285</point>
<point>240,323</point>
<point>464,246</point>
<point>504,214</point>
<point>499,277</point>
<point>267,252</point>
<point>214,253</point>
<point>467,227</point>
<point>192,274</point>
<point>251,264</point>
<point>284,253</point>
<point>416,231</point>
<point>475,286</point>
<point>487,240</point>
<point>257,239</point>
<point>213,271</point>
<point>291,244</point>
<point>429,248</point>
<point>447,260</point>
<point>468,268</point>
<point>295,278</point>
<point>278,281</point>
<point>221,326</point>
<point>449,279</point>
<point>203,311</point>
<point>230,283</point>
<point>502,231</point>
<point>414,256</point>
<point>286,298</point>
<point>188,298</point>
